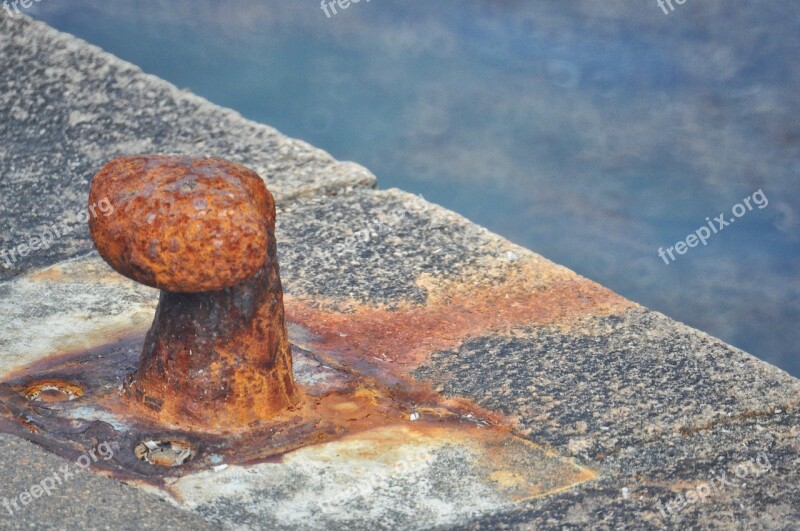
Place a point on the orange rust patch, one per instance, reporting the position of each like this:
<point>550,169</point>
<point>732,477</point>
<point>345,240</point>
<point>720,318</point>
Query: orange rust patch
<point>406,337</point>
<point>50,274</point>
<point>79,271</point>
<point>376,347</point>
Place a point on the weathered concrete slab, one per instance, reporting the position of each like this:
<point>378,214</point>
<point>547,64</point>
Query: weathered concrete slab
<point>67,107</point>
<point>578,366</point>
<point>387,284</point>
<point>76,305</point>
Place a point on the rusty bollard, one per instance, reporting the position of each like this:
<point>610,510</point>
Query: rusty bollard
<point>201,230</point>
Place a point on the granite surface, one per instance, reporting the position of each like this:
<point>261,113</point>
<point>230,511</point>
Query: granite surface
<point>392,284</point>
<point>644,485</point>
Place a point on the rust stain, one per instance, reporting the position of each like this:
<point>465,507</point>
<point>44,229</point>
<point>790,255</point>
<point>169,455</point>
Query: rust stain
<point>401,339</point>
<point>50,274</point>
<point>69,273</point>
<point>361,406</point>
<point>382,404</point>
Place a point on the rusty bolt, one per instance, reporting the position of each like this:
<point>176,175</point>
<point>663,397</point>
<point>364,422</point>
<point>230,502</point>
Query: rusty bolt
<point>201,230</point>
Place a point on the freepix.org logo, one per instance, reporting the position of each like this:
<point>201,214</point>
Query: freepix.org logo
<point>46,237</point>
<point>54,481</point>
<point>25,4</point>
<point>702,234</point>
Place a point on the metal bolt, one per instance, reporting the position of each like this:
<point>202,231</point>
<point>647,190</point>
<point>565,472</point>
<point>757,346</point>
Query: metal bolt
<point>201,230</point>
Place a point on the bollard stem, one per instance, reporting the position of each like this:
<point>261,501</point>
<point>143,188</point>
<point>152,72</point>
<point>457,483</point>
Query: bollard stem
<point>221,359</point>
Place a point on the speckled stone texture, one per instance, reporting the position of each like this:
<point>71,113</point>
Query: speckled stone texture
<point>83,501</point>
<point>640,481</point>
<point>616,381</point>
<point>387,282</point>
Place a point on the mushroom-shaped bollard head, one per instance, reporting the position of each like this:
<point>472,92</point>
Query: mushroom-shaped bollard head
<point>201,230</point>
<point>182,225</point>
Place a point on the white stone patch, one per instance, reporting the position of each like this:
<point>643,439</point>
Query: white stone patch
<point>71,306</point>
<point>90,413</point>
<point>387,475</point>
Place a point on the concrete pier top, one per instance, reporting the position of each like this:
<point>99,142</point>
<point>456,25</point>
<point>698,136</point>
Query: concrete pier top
<point>626,418</point>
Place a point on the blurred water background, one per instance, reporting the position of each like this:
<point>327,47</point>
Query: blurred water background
<point>593,132</point>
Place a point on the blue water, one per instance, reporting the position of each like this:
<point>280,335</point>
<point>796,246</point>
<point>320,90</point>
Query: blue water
<point>591,132</point>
